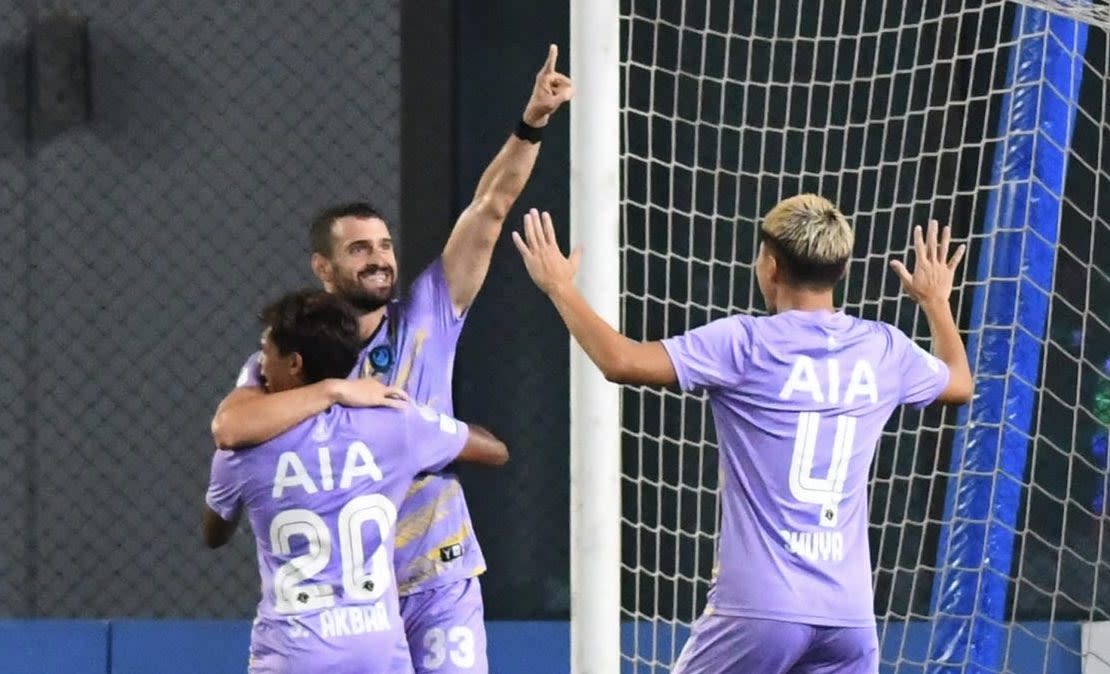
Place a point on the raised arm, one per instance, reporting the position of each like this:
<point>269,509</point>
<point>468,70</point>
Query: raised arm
<point>466,257</point>
<point>249,416</point>
<point>619,358</point>
<point>930,285</point>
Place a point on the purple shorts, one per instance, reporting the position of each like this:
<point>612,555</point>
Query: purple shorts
<point>445,629</point>
<point>730,645</point>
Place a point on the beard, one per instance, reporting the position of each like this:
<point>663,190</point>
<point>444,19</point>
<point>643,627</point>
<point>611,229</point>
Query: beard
<point>367,299</point>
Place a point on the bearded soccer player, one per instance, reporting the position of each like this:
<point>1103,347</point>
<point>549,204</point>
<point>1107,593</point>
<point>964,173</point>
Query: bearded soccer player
<point>410,345</point>
<point>322,499</point>
<point>799,400</point>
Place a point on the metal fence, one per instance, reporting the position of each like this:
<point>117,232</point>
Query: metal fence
<point>139,243</point>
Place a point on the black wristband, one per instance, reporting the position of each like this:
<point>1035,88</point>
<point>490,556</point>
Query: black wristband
<point>525,131</point>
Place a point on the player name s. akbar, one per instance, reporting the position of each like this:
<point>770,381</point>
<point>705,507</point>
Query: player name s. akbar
<point>345,621</point>
<point>359,462</point>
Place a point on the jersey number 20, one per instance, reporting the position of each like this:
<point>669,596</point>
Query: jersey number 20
<point>292,592</point>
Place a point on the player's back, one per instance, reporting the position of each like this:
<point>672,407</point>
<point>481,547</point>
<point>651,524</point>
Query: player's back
<point>799,400</point>
<point>322,500</point>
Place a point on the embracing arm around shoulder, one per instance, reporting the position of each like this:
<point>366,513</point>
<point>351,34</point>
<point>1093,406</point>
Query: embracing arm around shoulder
<point>249,416</point>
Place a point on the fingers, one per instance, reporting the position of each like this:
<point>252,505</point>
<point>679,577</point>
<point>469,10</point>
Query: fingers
<point>919,243</point>
<point>549,230</point>
<point>395,403</point>
<point>521,246</point>
<point>396,393</point>
<point>931,241</point>
<point>945,242</point>
<point>957,257</point>
<point>902,272</point>
<point>552,55</point>
<point>531,225</point>
<point>539,234</point>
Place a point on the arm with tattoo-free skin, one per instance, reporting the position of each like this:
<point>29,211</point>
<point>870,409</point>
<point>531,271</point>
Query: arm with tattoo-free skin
<point>466,257</point>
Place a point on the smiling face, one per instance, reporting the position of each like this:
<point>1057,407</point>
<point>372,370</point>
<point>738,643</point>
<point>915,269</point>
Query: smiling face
<point>362,266</point>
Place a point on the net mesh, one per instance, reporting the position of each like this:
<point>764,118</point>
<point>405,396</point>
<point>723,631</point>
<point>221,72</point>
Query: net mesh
<point>891,110</point>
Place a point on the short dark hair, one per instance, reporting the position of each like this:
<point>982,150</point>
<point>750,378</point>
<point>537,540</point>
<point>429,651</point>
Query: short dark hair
<point>319,232</point>
<point>804,273</point>
<point>321,327</point>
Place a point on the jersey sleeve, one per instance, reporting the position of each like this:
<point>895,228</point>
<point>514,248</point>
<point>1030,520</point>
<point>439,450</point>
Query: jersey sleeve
<point>433,439</point>
<point>250,375</point>
<point>224,491</point>
<point>431,296</point>
<point>924,376</point>
<point>712,356</point>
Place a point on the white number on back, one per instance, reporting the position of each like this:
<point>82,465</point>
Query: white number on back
<point>292,591</point>
<point>461,639</point>
<point>828,490</point>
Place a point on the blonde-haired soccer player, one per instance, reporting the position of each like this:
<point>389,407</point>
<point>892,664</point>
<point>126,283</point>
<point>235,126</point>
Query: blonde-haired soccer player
<point>799,399</point>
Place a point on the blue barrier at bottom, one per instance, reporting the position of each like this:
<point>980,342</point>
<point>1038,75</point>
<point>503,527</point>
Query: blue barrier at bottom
<point>179,646</point>
<point>220,646</point>
<point>62,646</point>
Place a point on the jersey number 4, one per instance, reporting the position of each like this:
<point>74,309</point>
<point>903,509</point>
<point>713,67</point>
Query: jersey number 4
<point>828,490</point>
<point>292,591</point>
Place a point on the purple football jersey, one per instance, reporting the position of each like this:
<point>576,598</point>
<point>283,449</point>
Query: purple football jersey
<point>415,349</point>
<point>322,499</point>
<point>799,400</point>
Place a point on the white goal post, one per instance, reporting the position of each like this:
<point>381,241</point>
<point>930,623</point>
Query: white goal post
<point>595,403</point>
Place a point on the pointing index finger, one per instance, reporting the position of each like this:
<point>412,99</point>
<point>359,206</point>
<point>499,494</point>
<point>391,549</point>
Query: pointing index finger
<point>552,55</point>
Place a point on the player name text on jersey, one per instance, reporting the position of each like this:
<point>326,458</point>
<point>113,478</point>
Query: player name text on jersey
<point>346,621</point>
<point>823,546</point>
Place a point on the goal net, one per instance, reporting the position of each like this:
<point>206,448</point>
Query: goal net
<point>987,523</point>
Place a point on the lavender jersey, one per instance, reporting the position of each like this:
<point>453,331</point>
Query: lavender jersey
<point>799,400</point>
<point>436,544</point>
<point>415,349</point>
<point>322,500</point>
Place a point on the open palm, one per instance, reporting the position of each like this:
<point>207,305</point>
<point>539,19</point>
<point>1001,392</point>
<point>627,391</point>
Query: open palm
<point>539,249</point>
<point>934,271</point>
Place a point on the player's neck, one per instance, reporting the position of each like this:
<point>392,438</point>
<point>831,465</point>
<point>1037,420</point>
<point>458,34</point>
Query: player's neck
<point>801,299</point>
<point>368,323</point>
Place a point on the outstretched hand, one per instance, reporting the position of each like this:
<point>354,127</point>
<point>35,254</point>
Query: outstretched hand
<point>552,89</point>
<point>933,270</point>
<point>546,264</point>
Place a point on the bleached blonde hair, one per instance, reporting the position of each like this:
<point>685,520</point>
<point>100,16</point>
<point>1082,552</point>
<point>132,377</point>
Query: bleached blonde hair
<point>812,238</point>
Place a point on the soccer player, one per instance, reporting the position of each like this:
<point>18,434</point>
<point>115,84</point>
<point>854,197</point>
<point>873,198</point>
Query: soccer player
<point>322,500</point>
<point>799,399</point>
<point>410,345</point>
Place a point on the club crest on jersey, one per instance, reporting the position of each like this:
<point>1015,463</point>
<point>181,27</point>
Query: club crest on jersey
<point>381,358</point>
